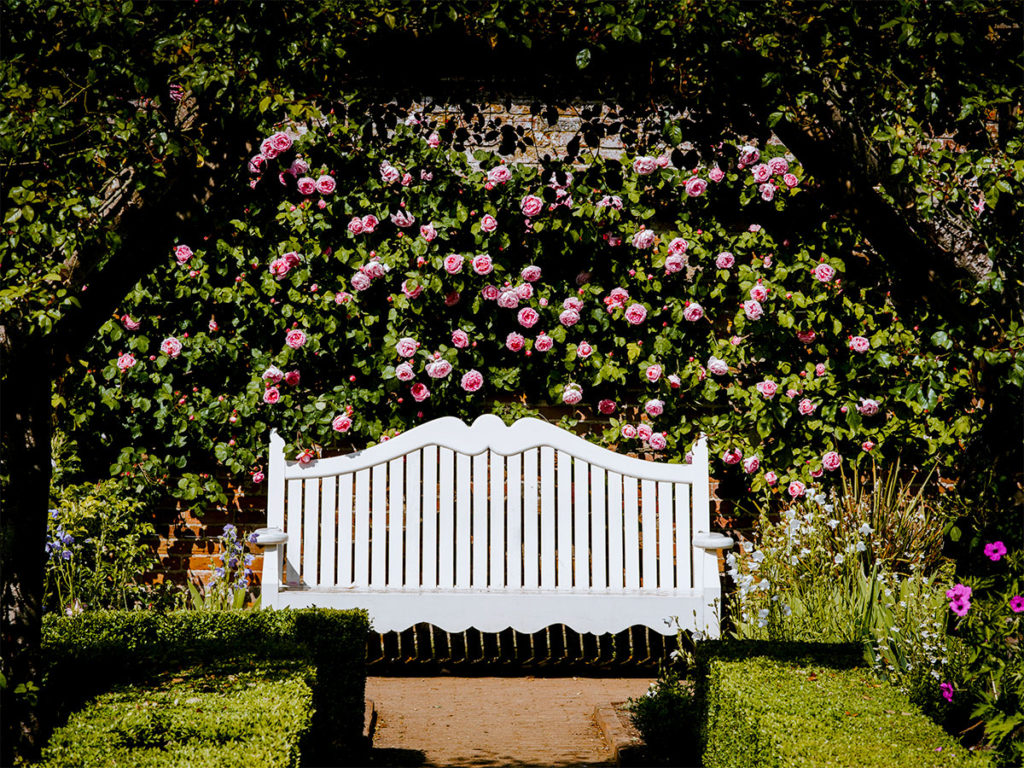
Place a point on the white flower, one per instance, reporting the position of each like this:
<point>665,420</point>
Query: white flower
<point>747,546</point>
<point>758,557</point>
<point>839,559</point>
<point>786,610</point>
<point>865,530</point>
<point>860,546</point>
<point>832,524</point>
<point>764,585</point>
<point>763,613</point>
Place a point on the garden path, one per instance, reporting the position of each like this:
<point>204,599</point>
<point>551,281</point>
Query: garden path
<point>487,722</point>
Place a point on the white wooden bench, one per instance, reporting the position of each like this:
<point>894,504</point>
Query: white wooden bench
<point>494,527</point>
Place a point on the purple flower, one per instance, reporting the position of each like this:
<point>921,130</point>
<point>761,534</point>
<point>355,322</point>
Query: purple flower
<point>947,691</point>
<point>995,551</point>
<point>66,554</point>
<point>1017,603</point>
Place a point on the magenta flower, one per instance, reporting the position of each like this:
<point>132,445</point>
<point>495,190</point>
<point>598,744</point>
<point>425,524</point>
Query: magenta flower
<point>995,551</point>
<point>947,691</point>
<point>295,338</point>
<point>1017,603</point>
<point>472,381</point>
<point>636,314</point>
<point>341,423</point>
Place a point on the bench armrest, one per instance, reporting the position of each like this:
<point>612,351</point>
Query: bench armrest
<point>712,541</point>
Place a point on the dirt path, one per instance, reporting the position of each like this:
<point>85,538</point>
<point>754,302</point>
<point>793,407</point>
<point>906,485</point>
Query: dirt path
<point>493,721</point>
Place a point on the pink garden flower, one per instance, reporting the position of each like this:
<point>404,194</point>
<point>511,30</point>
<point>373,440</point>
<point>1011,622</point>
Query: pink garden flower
<point>295,338</point>
<point>281,141</point>
<point>584,350</point>
<point>419,392</point>
<point>751,464</point>
<point>644,431</point>
<point>341,423</point>
<point>819,369</point>
<point>645,165</point>
<point>947,691</point>
<point>273,374</point>
<point>499,174</point>
<point>867,407</point>
<point>182,253</point>
<point>411,289</point>
<point>678,246</point>
<point>370,222</point>
<point>490,292</point>
<point>508,299</point>
<point>360,281</point>
<point>767,388</point>
<point>867,446</point>
<point>753,310</point>
<point>616,298</point>
<point>823,272</point>
<point>569,317</point>
<point>806,337</point>
<point>960,599</point>
<point>528,317</point>
<point>433,140</point>
<point>748,156</point>
<point>831,461</point>
<point>696,187</point>
<point>472,381</point>
<point>405,372</point>
<point>170,346</point>
<point>572,394</point>
<point>406,347</point>
<point>543,343</point>
<point>125,361</point>
<point>717,367</point>
<point>279,268</point>
<point>573,303</point>
<point>767,191</point>
<point>130,324</point>
<point>438,368</point>
<point>427,232</point>
<point>258,477</point>
<point>483,265</point>
<point>1017,603</point>
<point>771,478</point>
<point>716,174</point>
<point>355,225</point>
<point>761,173</point>
<point>628,431</point>
<point>403,219</point>
<point>653,373</point>
<point>644,239</point>
<point>796,489</point>
<point>778,166</point>
<point>305,456</point>
<point>790,180</point>
<point>514,342</point>
<point>993,551</point>
<point>806,407</point>
<point>530,274</point>
<point>636,314</point>
<point>271,395</point>
<point>859,344</point>
<point>524,291</point>
<point>725,260</point>
<point>325,185</point>
<point>488,223</point>
<point>388,173</point>
<point>674,263</point>
<point>292,378</point>
<point>460,339</point>
<point>531,205</point>
<point>674,381</point>
<point>759,293</point>
<point>606,407</point>
<point>732,456</point>
<point>654,407</point>
<point>657,441</point>
<point>306,185</point>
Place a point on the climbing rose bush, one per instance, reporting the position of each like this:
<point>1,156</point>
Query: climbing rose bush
<point>405,282</point>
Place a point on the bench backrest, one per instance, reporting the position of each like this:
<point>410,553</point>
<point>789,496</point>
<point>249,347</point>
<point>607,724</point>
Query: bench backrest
<point>519,509</point>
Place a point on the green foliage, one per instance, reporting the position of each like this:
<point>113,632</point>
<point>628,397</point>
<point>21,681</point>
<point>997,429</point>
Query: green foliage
<point>767,711</point>
<point>211,715</point>
<point>227,590</point>
<point>668,718</point>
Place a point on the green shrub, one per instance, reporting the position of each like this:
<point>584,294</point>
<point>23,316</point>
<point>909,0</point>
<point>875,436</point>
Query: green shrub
<point>89,652</point>
<point>207,716</point>
<point>667,719</point>
<point>770,710</point>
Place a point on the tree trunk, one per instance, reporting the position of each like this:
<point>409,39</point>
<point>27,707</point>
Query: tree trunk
<point>25,412</point>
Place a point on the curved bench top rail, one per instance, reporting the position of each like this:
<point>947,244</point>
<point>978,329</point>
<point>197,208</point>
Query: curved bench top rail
<point>489,432</point>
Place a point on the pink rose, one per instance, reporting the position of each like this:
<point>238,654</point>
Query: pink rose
<point>806,407</point>
<point>725,260</point>
<point>460,339</point>
<point>761,173</point>
<point>797,489</point>
<point>606,407</point>
<point>292,259</point>
<point>657,441</point>
<point>404,372</point>
<point>636,314</point>
<point>182,253</point>
<point>490,292</point>
<point>695,187</point>
<point>125,361</point>
<point>654,407</point>
<point>831,461</point>
<point>674,381</point>
<point>819,369</point>
<point>453,264</point>
<point>716,174</point>
<point>644,431</point>
<point>488,223</point>
<point>610,201</point>
<point>790,180</point>
<point>572,394</point>
<point>171,346</point>
<point>867,446</point>
<point>751,465</point>
<point>411,289</point>
<point>532,205</point>
<point>341,423</point>
<point>524,291</point>
<point>129,324</point>
<point>767,388</point>
<point>299,167</point>
<point>653,373</point>
<point>859,344</point>
<point>426,175</point>
<point>823,273</point>
<point>569,318</point>
<point>472,381</point>
<point>753,309</point>
<point>279,268</point>
<point>732,456</point>
<point>433,141</point>
<point>514,342</point>
<point>256,163</point>
<point>451,298</point>
<point>530,274</point>
<point>644,239</point>
<point>271,395</point>
<point>645,165</point>
<point>543,343</point>
<point>483,265</point>
<point>406,179</point>
<point>282,142</point>
<point>295,338</point>
<point>678,246</point>
<point>759,293</point>
<point>419,392</point>
<point>748,155</point>
<point>717,367</point>
<point>674,263</point>
<point>528,317</point>
<point>806,336</point>
<point>406,347</point>
<point>439,368</point>
<point>499,174</point>
<point>291,378</point>
<point>693,312</point>
<point>360,282</point>
<point>628,431</point>
<point>355,226</point>
<point>508,299</point>
<point>306,185</point>
<point>402,219</point>
<point>778,166</point>
<point>867,407</point>
<point>268,150</point>
<point>767,191</point>
<point>325,185</point>
<point>370,222</point>
<point>584,350</point>
<point>572,303</point>
<point>258,477</point>
<point>273,374</point>
<point>305,456</point>
<point>427,232</point>
<point>616,298</point>
<point>388,173</point>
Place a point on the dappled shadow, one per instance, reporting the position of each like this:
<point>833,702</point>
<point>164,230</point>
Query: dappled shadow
<point>415,757</point>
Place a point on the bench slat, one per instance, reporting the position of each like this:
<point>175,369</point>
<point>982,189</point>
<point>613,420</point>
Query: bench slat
<point>514,518</point>
<point>396,521</point>
<point>446,519</point>
<point>564,522</point>
<point>598,529</point>
<point>345,522</point>
<point>481,490</point>
<point>362,543</point>
<point>430,553</point>
<point>328,537</point>
<point>379,526</point>
<point>682,538</point>
<point>496,541</point>
<point>413,498</point>
<point>293,566</point>
<point>615,531</point>
<point>581,520</point>
<point>632,549</point>
<point>649,535</point>
<point>547,518</point>
<point>531,520</point>
<point>463,510</point>
<point>666,566</point>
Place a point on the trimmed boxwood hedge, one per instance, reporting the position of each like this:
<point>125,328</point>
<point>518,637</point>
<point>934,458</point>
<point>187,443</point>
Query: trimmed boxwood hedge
<point>788,705</point>
<point>91,652</point>
<point>209,716</point>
